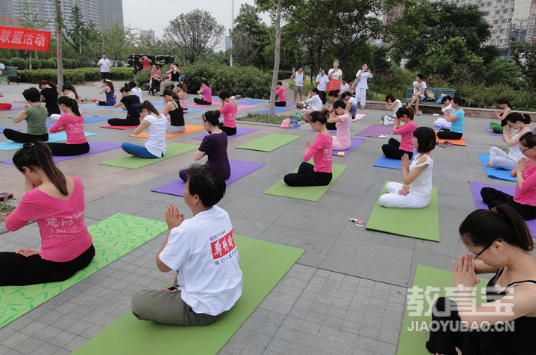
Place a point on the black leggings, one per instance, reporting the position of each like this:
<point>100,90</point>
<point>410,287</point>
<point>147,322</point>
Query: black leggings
<point>445,133</point>
<point>331,126</point>
<point>306,176</point>
<point>281,103</point>
<point>24,137</point>
<point>202,102</point>
<point>103,103</point>
<point>18,270</point>
<point>392,150</point>
<point>64,149</point>
<point>228,130</point>
<point>493,198</point>
<point>123,122</point>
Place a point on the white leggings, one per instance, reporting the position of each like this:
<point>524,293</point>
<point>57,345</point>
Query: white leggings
<point>362,96</point>
<point>393,200</point>
<point>500,159</point>
<point>442,123</point>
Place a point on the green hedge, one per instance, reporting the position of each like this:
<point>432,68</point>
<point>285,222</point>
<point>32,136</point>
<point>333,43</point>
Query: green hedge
<point>6,62</point>
<point>307,87</point>
<point>72,76</point>
<point>20,63</point>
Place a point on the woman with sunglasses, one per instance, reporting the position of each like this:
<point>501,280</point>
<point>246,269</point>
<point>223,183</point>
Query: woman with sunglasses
<point>56,203</point>
<point>524,199</point>
<point>214,146</point>
<point>499,242</point>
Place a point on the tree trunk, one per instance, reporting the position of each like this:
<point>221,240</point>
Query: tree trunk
<point>30,61</point>
<point>59,25</point>
<point>275,74</point>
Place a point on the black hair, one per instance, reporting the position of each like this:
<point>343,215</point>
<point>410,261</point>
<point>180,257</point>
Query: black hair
<point>125,88</point>
<point>334,93</point>
<point>212,117</point>
<point>420,76</point>
<point>516,117</point>
<point>483,227</point>
<point>71,103</point>
<point>32,95</point>
<point>344,79</point>
<point>408,111</point>
<point>426,139</point>
<point>458,101</point>
<point>206,183</point>
<point>103,53</point>
<point>39,155</point>
<point>49,83</point>
<point>225,94</point>
<point>70,88</point>
<point>445,98</point>
<point>390,97</point>
<point>528,140</point>
<point>504,102</point>
<point>131,84</point>
<point>147,105</point>
<point>171,93</point>
<point>319,116</point>
<point>204,82</point>
<point>315,90</point>
<point>279,83</point>
<point>109,83</point>
<point>346,93</point>
<point>339,104</point>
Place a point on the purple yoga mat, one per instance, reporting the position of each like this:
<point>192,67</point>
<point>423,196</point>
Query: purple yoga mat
<point>239,169</point>
<point>240,131</point>
<point>492,133</point>
<point>16,107</point>
<point>95,147</point>
<point>479,204</point>
<point>375,131</point>
<point>356,142</point>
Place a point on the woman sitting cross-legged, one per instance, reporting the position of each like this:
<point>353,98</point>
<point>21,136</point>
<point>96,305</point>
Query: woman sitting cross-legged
<point>155,124</point>
<point>395,149</point>
<point>321,173</point>
<point>516,126</point>
<point>455,118</point>
<point>498,242</point>
<point>524,199</point>
<point>72,122</point>
<point>56,202</point>
<point>35,116</point>
<point>214,146</point>
<point>176,113</point>
<point>342,119</point>
<point>131,103</point>
<point>417,175</point>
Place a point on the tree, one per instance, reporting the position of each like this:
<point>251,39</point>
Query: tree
<point>195,34</point>
<point>30,19</point>
<point>424,25</point>
<point>81,36</point>
<point>59,26</point>
<point>524,55</point>
<point>250,36</point>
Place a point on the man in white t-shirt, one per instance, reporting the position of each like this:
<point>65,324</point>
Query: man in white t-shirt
<point>105,68</point>
<point>298,78</point>
<point>362,84</point>
<point>419,88</point>
<point>2,67</point>
<point>322,84</point>
<point>203,252</point>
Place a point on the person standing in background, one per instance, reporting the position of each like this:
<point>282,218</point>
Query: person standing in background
<point>146,62</point>
<point>362,85</point>
<point>298,79</point>
<point>321,84</point>
<point>105,68</point>
<point>335,76</point>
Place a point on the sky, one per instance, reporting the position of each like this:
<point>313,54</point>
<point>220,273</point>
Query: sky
<point>157,14</point>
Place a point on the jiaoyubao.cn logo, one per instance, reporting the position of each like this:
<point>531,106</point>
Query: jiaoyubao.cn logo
<point>223,246</point>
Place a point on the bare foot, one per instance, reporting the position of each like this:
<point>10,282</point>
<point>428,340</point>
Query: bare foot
<point>383,155</point>
<point>458,351</point>
<point>489,165</point>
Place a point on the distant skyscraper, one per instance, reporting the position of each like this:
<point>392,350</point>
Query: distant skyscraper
<point>111,12</point>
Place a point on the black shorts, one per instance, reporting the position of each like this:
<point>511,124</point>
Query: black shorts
<point>106,75</point>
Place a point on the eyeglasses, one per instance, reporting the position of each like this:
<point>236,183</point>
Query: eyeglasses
<point>475,256</point>
<point>524,150</point>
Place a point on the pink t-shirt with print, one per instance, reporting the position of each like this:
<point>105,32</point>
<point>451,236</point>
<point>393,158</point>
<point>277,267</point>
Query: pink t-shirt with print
<point>207,93</point>
<point>229,114</point>
<point>73,127</point>
<point>320,151</point>
<point>527,194</point>
<point>282,93</point>
<point>406,135</point>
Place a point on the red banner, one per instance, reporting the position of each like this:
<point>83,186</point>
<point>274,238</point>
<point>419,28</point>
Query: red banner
<point>22,38</point>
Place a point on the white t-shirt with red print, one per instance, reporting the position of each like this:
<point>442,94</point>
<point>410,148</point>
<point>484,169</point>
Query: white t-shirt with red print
<point>203,252</point>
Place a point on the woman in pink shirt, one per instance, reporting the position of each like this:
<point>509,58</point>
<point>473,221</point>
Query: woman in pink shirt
<point>207,94</point>
<point>228,109</point>
<point>319,174</point>
<point>395,149</point>
<point>342,119</point>
<point>72,122</point>
<point>56,202</point>
<point>282,94</point>
<point>524,199</point>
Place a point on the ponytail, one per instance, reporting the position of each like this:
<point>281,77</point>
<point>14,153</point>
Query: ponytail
<point>408,111</point>
<point>212,117</point>
<point>147,105</point>
<point>482,227</point>
<point>516,117</point>
<point>319,116</point>
<point>39,155</point>
<point>171,93</point>
<point>71,103</point>
<point>70,88</point>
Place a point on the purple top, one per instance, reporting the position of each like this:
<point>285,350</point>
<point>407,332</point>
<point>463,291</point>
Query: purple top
<point>110,100</point>
<point>215,147</point>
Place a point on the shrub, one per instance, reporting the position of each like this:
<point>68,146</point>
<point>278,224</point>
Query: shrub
<point>45,64</point>
<point>123,74</point>
<point>52,63</point>
<point>36,64</point>
<point>6,62</point>
<point>307,87</point>
<point>142,78</point>
<point>22,64</point>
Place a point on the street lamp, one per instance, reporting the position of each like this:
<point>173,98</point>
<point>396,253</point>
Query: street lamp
<point>232,27</point>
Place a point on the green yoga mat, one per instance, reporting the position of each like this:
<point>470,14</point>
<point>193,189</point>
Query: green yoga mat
<point>112,238</point>
<point>413,342</point>
<point>263,264</point>
<point>269,143</point>
<point>310,193</point>
<point>421,223</point>
<point>132,162</point>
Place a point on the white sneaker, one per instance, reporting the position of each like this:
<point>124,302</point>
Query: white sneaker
<point>383,136</point>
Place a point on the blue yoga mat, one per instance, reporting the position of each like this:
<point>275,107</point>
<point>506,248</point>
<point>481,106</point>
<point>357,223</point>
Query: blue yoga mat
<point>277,110</point>
<point>250,102</point>
<point>56,137</point>
<point>383,162</point>
<point>2,129</point>
<point>495,173</point>
<point>194,110</point>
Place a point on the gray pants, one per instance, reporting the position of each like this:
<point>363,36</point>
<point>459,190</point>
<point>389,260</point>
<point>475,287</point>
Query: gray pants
<point>167,85</point>
<point>168,308</point>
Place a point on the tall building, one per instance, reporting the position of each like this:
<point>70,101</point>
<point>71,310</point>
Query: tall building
<point>103,13</point>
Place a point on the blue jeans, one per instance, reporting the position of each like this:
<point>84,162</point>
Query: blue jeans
<point>138,151</point>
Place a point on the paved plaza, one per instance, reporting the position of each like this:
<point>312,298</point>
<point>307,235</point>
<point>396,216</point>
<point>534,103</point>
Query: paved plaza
<point>345,295</point>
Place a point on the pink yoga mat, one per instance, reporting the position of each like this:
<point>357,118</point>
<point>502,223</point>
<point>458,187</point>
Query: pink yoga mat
<point>356,142</point>
<point>201,106</point>
<point>358,117</point>
<point>95,147</point>
<point>375,131</point>
<point>239,169</point>
<point>119,127</point>
<point>243,107</point>
<point>479,204</point>
<point>240,131</point>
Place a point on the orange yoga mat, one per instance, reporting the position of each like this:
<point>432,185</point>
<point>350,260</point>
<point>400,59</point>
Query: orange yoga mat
<point>189,128</point>
<point>453,141</point>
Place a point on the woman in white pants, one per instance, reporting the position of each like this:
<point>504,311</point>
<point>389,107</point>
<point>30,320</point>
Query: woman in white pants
<point>416,190</point>
<point>362,85</point>
<point>516,126</point>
